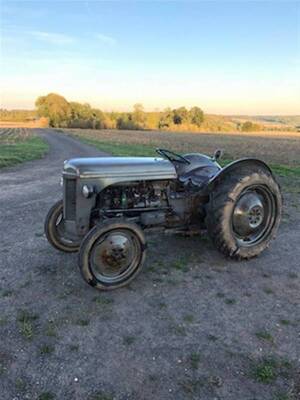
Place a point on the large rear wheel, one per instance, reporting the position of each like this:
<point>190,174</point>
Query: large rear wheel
<point>111,255</point>
<point>244,212</point>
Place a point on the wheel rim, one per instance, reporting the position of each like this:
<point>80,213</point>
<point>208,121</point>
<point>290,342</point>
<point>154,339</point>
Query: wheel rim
<point>254,215</point>
<point>115,256</point>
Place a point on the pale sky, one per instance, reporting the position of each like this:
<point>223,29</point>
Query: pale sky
<point>226,57</point>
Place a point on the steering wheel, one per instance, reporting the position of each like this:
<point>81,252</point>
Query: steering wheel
<point>176,157</point>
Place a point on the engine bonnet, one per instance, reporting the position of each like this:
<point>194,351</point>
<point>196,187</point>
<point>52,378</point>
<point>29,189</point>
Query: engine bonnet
<point>131,168</point>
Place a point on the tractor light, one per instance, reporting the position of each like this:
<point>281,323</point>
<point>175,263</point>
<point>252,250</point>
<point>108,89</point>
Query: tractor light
<point>87,191</point>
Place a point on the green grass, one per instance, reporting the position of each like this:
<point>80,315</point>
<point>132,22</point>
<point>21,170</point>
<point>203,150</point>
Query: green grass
<point>268,370</point>
<point>46,396</point>
<point>284,322</point>
<point>268,290</point>
<point>46,349</point>
<point>20,385</point>
<point>194,360</point>
<point>50,329</point>
<point>264,335</point>
<point>100,396</point>
<point>117,149</point>
<point>265,371</point>
<point>26,321</point>
<point>285,170</point>
<point>188,318</point>
<point>134,149</point>
<point>284,396</point>
<point>180,265</point>
<point>82,322</point>
<point>104,301</point>
<point>230,301</point>
<point>22,150</point>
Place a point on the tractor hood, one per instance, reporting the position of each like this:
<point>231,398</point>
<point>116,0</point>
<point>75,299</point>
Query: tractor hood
<point>129,168</point>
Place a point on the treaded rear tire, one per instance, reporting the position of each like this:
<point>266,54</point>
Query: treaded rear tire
<point>222,202</point>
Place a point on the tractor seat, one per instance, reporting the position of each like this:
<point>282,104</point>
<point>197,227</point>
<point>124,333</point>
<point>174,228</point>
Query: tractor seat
<point>200,176</point>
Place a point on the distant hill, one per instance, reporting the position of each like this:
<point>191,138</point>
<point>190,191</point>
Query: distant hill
<point>276,120</point>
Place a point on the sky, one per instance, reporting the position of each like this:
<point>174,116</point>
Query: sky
<point>239,57</point>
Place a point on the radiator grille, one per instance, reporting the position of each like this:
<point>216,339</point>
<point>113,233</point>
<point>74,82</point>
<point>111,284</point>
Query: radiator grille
<point>70,199</point>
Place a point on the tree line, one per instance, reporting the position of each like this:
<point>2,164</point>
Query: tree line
<point>61,113</point>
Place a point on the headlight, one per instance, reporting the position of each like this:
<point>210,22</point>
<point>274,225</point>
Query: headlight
<point>61,181</point>
<point>87,191</point>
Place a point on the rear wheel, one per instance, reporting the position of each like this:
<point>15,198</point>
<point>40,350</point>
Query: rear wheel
<point>55,232</point>
<point>244,212</point>
<point>111,255</point>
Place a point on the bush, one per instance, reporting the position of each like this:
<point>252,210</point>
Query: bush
<point>249,126</point>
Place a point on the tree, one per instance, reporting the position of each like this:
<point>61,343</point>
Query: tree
<point>166,119</point>
<point>139,116</point>
<point>196,116</point>
<point>55,108</point>
<point>180,115</point>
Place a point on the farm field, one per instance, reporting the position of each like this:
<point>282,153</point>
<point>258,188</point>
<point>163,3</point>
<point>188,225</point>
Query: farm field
<point>280,150</point>
<point>18,145</point>
<point>193,325</point>
<point>38,123</point>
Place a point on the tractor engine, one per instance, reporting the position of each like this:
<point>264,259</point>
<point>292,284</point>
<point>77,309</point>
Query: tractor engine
<point>134,196</point>
<point>150,203</point>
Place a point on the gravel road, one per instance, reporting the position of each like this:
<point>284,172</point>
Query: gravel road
<point>193,325</point>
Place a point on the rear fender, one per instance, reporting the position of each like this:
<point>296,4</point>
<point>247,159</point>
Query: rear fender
<point>238,164</point>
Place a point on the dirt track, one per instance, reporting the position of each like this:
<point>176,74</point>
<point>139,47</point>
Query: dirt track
<point>192,325</point>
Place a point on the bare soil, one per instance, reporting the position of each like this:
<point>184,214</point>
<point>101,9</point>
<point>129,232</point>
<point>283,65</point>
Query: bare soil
<point>193,325</point>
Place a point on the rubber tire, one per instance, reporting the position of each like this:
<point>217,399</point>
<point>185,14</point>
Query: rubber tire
<point>222,202</point>
<point>87,245</point>
<point>51,231</point>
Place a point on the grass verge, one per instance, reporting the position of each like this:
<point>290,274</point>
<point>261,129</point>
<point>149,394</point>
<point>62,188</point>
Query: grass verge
<point>28,149</point>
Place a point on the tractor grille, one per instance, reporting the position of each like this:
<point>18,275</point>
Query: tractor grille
<point>70,199</point>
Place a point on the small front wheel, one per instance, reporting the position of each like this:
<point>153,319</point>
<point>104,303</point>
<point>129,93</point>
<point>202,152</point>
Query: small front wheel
<point>111,255</point>
<point>55,232</point>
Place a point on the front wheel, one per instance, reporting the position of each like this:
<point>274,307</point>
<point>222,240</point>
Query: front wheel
<point>244,212</point>
<point>111,255</point>
<point>55,232</point>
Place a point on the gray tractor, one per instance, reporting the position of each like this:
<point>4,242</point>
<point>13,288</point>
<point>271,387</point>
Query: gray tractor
<point>109,202</point>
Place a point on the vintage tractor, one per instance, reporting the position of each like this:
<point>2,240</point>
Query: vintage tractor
<point>109,202</point>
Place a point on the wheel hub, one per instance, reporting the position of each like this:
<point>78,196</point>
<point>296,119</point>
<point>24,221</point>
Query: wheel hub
<point>113,254</point>
<point>255,216</point>
<point>248,214</point>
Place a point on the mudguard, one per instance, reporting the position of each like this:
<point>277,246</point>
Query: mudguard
<point>243,162</point>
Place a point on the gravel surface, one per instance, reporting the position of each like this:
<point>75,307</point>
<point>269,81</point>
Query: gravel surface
<point>193,325</point>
